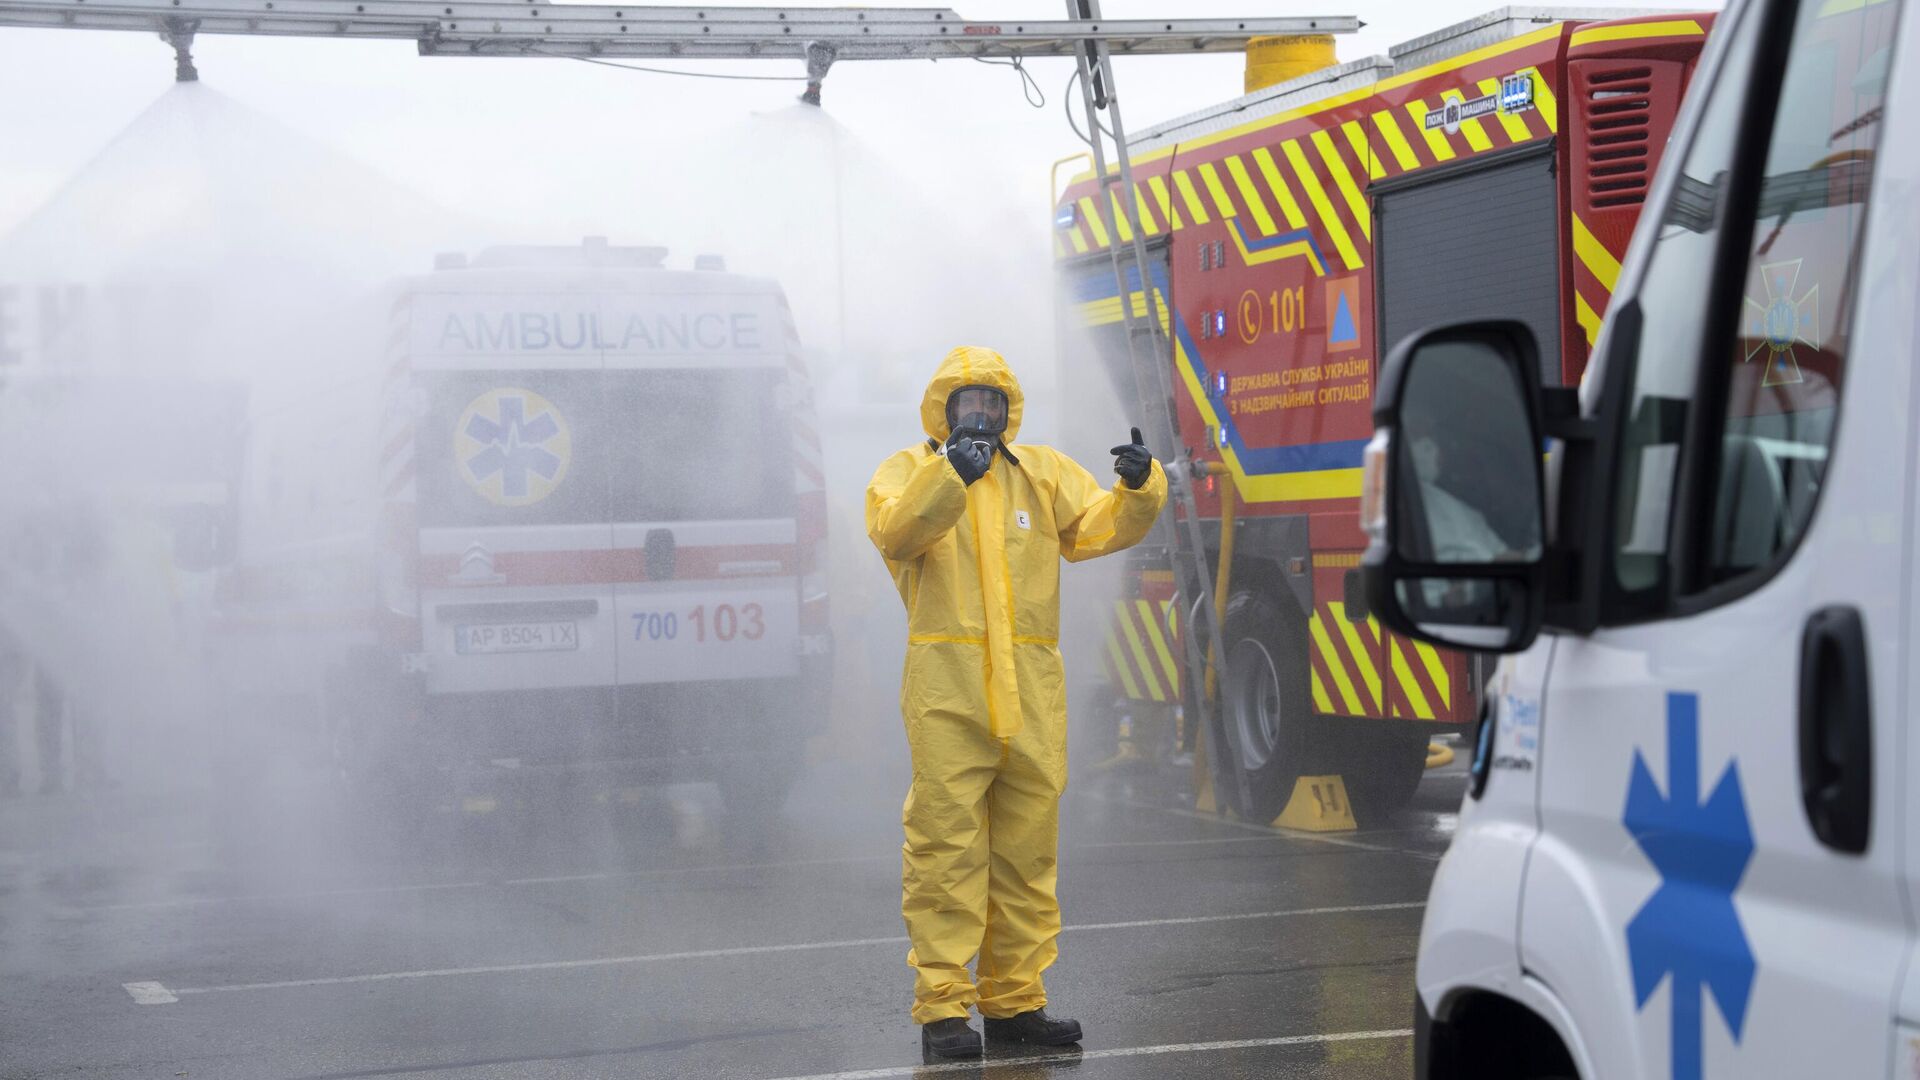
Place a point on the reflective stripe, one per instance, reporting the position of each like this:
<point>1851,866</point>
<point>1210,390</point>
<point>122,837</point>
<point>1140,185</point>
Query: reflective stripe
<point>1195,209</point>
<point>1369,674</point>
<point>1588,318</point>
<point>1343,178</point>
<point>1357,138</point>
<point>1396,141</point>
<point>1164,200</point>
<point>1437,671</point>
<point>1251,195</point>
<point>1152,622</point>
<point>1673,28</point>
<point>1271,173</point>
<point>1594,255</point>
<point>1408,685</point>
<point>1221,201</point>
<point>1334,666</point>
<point>1121,669</point>
<point>1092,221</point>
<point>1139,653</point>
<point>1317,195</point>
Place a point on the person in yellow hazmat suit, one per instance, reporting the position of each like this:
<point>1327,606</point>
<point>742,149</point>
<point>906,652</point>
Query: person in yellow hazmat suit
<point>973,530</point>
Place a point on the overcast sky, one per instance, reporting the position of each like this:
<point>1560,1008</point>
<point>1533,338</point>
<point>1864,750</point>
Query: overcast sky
<point>550,144</point>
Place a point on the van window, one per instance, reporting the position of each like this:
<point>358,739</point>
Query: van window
<point>548,447</point>
<point>1773,377</point>
<point>708,444</point>
<point>1789,351</point>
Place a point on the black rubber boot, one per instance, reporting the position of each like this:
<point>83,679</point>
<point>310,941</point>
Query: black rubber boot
<point>951,1038</point>
<point>1035,1028</point>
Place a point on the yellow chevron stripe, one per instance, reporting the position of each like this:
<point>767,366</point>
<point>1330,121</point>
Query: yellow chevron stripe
<point>1544,102</point>
<point>1673,28</point>
<point>1515,126</point>
<point>1334,665</point>
<point>1321,204</point>
<point>1078,238</point>
<point>1373,630</point>
<point>1594,255</point>
<point>1167,667</point>
<point>1369,674</point>
<point>1255,204</point>
<point>1195,209</point>
<point>1163,200</point>
<point>1059,247</point>
<point>1281,192</point>
<point>1120,219</point>
<point>1403,678</point>
<point>1343,179</point>
<point>1292,249</point>
<point>1417,111</point>
<point>1588,318</point>
<point>1139,652</point>
<point>1211,177</point>
<point>1120,668</point>
<point>1357,138</point>
<point>1476,135</point>
<point>1396,141</point>
<point>1090,217</point>
<point>1146,212</point>
<point>1321,701</point>
<point>1437,671</point>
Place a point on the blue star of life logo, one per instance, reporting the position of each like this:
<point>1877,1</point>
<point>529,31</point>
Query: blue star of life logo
<point>1688,931</point>
<point>513,446</point>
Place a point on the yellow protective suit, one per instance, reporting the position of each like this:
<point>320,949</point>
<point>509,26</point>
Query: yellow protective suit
<point>983,696</point>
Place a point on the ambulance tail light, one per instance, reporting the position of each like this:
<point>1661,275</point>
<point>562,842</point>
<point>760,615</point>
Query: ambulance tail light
<point>1373,485</point>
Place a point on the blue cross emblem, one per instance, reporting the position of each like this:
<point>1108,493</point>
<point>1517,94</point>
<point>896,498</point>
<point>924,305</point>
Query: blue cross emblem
<point>514,446</point>
<point>1689,929</point>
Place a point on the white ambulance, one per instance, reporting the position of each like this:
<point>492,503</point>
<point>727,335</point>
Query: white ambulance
<point>1690,847</point>
<point>591,537</point>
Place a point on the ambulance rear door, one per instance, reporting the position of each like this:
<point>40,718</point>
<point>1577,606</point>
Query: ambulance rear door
<point>705,540</point>
<point>513,438</point>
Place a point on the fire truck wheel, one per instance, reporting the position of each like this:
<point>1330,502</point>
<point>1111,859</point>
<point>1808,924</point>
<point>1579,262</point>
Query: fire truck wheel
<point>1382,773</point>
<point>1264,707</point>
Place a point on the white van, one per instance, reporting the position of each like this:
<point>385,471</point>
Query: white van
<point>1688,849</point>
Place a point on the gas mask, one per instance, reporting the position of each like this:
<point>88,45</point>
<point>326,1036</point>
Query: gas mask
<point>978,414</point>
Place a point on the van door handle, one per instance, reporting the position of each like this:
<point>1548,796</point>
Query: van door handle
<point>1836,729</point>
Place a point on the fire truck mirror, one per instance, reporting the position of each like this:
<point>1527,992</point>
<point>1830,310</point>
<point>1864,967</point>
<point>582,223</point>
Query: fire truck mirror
<point>1459,560</point>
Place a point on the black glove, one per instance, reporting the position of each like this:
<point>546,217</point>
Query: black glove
<point>969,457</point>
<point>1132,461</point>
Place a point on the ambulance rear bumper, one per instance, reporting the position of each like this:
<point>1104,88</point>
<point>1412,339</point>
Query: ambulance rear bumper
<point>662,731</point>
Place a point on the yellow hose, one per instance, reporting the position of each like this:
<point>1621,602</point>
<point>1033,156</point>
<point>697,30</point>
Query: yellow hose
<point>1224,577</point>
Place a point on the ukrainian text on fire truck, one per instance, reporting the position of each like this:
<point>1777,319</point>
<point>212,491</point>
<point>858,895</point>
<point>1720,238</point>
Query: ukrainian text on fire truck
<point>1315,384</point>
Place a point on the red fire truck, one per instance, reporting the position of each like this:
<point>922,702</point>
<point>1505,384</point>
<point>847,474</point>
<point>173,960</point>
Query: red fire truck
<point>1494,168</point>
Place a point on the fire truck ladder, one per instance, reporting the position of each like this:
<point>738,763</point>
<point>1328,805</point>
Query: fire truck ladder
<point>1149,349</point>
<point>537,28</point>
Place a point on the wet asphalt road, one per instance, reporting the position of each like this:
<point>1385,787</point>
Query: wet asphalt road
<point>658,938</point>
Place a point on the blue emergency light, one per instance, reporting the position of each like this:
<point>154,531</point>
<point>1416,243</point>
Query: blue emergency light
<point>1064,217</point>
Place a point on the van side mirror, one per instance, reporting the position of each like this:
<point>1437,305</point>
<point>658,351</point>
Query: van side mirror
<point>1453,500</point>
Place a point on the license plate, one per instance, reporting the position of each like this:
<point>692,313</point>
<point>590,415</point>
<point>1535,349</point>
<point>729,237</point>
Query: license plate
<point>516,637</point>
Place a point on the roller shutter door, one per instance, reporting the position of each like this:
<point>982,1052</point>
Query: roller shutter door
<point>1477,243</point>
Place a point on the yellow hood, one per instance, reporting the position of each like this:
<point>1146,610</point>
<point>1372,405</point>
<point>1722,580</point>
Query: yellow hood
<point>970,365</point>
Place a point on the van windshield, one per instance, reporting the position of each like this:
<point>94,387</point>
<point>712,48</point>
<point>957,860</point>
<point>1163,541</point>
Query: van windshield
<point>579,447</point>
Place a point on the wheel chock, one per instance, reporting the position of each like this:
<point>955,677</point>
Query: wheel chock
<point>1319,804</point>
<point>1438,754</point>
